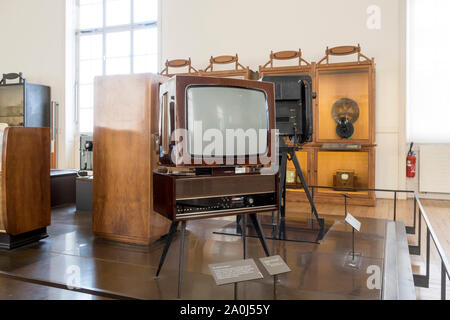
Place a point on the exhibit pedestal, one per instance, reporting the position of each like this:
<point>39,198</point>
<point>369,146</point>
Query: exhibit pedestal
<point>8,241</point>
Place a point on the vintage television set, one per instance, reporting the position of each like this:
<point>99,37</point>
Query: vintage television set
<point>206,184</point>
<point>197,104</point>
<point>209,185</point>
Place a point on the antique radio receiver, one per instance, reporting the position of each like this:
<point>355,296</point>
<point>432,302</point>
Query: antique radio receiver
<point>181,197</point>
<point>344,179</point>
<point>293,99</point>
<point>197,105</point>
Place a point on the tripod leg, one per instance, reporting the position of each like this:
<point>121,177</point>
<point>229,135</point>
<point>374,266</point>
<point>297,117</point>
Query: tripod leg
<point>282,184</point>
<point>281,190</point>
<point>259,231</point>
<point>282,224</point>
<point>172,231</point>
<point>244,235</point>
<point>305,187</point>
<point>238,224</point>
<point>282,232</point>
<point>180,263</point>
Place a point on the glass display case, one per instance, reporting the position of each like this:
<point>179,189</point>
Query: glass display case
<point>23,103</point>
<point>343,96</point>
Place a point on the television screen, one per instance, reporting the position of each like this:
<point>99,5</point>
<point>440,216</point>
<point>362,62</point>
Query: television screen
<point>226,121</point>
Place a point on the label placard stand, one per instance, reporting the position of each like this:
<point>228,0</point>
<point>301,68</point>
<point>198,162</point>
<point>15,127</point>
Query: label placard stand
<point>233,272</point>
<point>240,270</point>
<point>274,266</point>
<point>352,259</point>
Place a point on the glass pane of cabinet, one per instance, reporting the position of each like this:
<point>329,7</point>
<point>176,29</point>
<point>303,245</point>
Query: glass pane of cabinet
<point>12,105</point>
<point>343,101</point>
<point>343,170</point>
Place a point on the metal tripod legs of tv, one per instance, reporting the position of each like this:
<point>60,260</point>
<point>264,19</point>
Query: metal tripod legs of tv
<point>280,225</point>
<point>173,230</point>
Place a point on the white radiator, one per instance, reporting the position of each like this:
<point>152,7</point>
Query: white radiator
<point>434,168</point>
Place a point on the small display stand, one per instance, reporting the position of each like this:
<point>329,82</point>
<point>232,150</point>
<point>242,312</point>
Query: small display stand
<point>303,66</point>
<point>238,72</point>
<point>179,63</point>
<point>353,259</point>
<point>275,265</point>
<point>234,272</point>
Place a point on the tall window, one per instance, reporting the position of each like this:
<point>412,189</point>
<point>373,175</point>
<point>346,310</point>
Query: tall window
<point>428,71</point>
<point>113,37</point>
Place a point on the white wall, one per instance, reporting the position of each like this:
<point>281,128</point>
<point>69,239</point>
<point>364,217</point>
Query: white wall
<point>251,28</point>
<point>32,40</point>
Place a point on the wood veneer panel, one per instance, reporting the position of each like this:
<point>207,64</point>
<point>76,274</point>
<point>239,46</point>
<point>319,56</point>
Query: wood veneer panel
<point>125,116</point>
<point>25,179</point>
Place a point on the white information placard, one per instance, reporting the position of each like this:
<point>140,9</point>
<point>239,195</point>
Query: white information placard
<point>235,271</point>
<point>351,220</point>
<point>274,265</point>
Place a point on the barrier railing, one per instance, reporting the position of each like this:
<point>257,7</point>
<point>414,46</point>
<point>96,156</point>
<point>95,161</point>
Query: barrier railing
<point>419,279</point>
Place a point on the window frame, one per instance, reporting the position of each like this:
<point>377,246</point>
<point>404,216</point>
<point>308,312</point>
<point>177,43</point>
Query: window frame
<point>103,31</point>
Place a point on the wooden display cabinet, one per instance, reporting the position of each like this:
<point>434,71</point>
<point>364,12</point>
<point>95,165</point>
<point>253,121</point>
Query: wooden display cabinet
<point>349,80</point>
<point>337,82</point>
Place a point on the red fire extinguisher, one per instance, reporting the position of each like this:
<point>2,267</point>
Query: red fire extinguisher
<point>411,163</point>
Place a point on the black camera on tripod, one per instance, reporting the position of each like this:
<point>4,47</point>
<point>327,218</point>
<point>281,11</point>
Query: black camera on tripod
<point>294,120</point>
<point>293,107</point>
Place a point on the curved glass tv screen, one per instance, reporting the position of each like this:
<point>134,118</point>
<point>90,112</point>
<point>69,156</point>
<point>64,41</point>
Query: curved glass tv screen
<point>226,121</point>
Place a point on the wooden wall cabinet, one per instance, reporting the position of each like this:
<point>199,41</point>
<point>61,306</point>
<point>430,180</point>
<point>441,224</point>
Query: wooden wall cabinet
<point>125,119</point>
